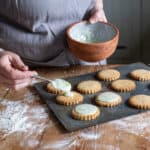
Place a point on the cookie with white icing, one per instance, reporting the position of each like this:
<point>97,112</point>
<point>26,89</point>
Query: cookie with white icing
<point>89,87</point>
<point>58,86</point>
<point>123,85</point>
<point>140,74</point>
<point>140,101</point>
<point>85,112</point>
<point>108,75</point>
<point>108,99</point>
<point>69,99</point>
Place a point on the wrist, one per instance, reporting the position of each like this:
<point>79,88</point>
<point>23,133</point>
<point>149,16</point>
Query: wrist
<point>98,5</point>
<point>1,51</point>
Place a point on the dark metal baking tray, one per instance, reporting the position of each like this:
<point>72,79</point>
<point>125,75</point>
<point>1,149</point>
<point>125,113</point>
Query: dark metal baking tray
<point>63,113</point>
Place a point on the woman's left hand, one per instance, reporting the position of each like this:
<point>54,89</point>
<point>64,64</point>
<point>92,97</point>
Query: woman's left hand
<point>97,15</point>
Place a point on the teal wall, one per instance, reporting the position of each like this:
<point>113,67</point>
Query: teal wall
<point>132,17</point>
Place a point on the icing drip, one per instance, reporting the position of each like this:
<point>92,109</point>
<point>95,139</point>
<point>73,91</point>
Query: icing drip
<point>68,94</point>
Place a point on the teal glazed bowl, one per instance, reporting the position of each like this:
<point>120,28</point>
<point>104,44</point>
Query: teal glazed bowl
<point>92,42</point>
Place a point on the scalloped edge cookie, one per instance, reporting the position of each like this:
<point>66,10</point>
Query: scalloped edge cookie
<point>108,99</point>
<point>52,89</point>
<point>140,74</point>
<point>108,75</point>
<point>89,86</point>
<point>85,112</point>
<point>140,101</point>
<point>123,85</point>
<point>70,100</point>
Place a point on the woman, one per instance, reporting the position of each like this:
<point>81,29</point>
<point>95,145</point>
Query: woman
<point>32,33</point>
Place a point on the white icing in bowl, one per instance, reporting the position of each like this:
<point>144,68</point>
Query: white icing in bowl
<point>92,33</point>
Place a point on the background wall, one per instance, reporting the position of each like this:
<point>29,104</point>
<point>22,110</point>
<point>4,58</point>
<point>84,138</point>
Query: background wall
<point>132,17</point>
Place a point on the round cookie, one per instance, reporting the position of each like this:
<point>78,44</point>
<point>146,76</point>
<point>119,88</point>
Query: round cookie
<point>123,85</point>
<point>85,112</point>
<point>89,87</point>
<point>108,99</point>
<point>140,74</point>
<point>140,101</point>
<point>72,99</point>
<point>58,86</point>
<point>108,75</point>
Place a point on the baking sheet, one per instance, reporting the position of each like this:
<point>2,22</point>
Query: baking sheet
<point>63,113</point>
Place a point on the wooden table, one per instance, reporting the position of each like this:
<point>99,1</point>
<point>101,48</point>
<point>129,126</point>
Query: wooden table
<point>33,126</point>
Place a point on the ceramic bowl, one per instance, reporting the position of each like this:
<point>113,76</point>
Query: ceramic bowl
<point>92,42</point>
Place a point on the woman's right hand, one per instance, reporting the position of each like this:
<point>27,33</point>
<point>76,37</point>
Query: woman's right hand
<point>13,72</point>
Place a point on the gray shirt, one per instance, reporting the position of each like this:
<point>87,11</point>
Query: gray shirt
<point>35,29</point>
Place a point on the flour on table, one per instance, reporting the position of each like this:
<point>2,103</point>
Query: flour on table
<point>137,124</point>
<point>65,144</point>
<point>91,135</point>
<point>20,117</point>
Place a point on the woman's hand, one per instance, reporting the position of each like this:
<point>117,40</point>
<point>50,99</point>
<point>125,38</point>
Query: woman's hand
<point>13,72</point>
<point>97,13</point>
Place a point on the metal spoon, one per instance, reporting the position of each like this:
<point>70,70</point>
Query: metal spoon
<point>67,93</point>
<point>42,78</point>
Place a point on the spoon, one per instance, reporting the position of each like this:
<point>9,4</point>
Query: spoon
<point>58,84</point>
<point>42,78</point>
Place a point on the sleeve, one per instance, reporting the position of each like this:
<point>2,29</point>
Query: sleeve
<point>1,49</point>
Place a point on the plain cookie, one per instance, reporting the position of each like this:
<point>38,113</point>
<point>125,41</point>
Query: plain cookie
<point>123,85</point>
<point>140,74</point>
<point>108,75</point>
<point>89,87</point>
<point>140,101</point>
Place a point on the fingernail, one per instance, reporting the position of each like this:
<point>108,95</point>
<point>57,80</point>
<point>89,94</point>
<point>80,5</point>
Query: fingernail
<point>25,67</point>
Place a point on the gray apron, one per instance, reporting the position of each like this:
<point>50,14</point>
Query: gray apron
<point>35,29</point>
